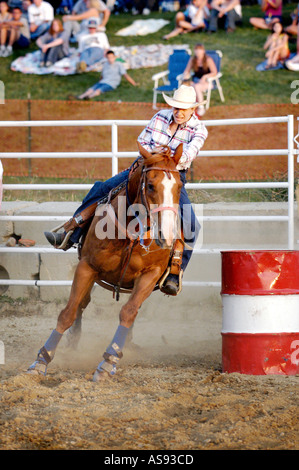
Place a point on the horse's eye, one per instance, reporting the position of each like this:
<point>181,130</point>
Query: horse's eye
<point>150,187</point>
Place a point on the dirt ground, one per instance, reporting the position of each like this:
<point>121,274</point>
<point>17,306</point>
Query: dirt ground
<point>169,392</point>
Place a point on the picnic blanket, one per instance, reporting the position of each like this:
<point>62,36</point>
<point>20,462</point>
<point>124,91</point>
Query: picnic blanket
<point>142,27</point>
<point>133,57</point>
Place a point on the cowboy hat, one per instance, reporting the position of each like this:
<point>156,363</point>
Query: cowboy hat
<point>184,98</point>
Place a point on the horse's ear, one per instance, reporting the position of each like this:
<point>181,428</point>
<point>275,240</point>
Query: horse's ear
<point>143,152</point>
<point>178,153</point>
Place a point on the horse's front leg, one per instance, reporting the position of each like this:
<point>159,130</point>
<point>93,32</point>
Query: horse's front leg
<point>83,281</point>
<point>143,287</point>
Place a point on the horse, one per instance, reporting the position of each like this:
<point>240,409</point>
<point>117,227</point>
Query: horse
<point>134,262</point>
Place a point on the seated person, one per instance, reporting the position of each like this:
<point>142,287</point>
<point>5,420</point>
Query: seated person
<point>54,44</point>
<point>277,45</point>
<point>25,5</point>
<point>292,28</point>
<point>232,11</point>
<point>17,31</point>
<point>111,77</point>
<point>5,16</point>
<point>191,20</point>
<point>293,64</point>
<point>92,46</point>
<point>143,6</point>
<point>65,7</point>
<point>203,67</point>
<point>272,13</point>
<point>95,9</point>
<point>40,17</point>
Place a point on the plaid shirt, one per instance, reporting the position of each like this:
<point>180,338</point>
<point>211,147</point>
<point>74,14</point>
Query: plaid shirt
<point>192,134</point>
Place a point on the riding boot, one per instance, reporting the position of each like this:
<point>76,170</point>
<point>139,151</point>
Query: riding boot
<point>62,240</point>
<point>173,282</point>
<point>59,240</point>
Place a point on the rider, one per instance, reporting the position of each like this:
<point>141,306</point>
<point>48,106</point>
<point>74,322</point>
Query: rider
<point>168,127</point>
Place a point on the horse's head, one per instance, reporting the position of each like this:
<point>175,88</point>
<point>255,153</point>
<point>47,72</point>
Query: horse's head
<point>160,192</point>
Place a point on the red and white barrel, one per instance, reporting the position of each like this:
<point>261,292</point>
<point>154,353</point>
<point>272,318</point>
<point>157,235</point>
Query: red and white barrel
<point>260,312</point>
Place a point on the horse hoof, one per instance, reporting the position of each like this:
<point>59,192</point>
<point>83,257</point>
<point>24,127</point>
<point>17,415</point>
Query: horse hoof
<point>100,376</point>
<point>37,368</point>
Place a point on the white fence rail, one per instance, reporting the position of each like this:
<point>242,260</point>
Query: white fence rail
<point>115,155</point>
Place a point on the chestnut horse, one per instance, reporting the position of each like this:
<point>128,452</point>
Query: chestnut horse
<point>133,261</point>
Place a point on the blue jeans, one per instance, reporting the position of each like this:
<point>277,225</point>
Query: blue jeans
<point>103,87</point>
<point>91,55</point>
<point>41,29</point>
<point>189,221</point>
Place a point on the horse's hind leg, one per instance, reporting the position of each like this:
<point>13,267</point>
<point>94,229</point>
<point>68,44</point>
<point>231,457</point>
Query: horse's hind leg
<point>83,281</point>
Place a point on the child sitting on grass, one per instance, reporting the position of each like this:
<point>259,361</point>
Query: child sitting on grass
<point>111,77</point>
<point>277,45</point>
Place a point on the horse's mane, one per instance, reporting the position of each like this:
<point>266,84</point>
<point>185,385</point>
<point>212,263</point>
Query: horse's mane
<point>163,156</point>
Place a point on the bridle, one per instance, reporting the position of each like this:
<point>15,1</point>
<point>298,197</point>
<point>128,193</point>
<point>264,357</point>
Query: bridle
<point>142,189</point>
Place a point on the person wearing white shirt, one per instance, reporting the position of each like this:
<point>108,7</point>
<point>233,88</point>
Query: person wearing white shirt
<point>92,46</point>
<point>40,16</point>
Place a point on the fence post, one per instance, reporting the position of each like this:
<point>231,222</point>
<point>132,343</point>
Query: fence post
<point>29,133</point>
<point>114,147</point>
<point>291,181</point>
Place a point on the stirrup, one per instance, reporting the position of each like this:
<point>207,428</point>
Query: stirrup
<point>64,243</point>
<point>163,279</point>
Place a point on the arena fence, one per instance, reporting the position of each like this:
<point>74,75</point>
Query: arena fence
<point>115,155</point>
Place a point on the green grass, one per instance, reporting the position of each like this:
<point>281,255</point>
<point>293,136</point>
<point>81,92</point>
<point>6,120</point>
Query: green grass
<point>242,51</point>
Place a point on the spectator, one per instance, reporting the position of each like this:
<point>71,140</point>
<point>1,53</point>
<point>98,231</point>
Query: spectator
<point>25,5</point>
<point>65,7</point>
<point>293,64</point>
<point>293,27</point>
<point>94,9</point>
<point>143,6</point>
<point>189,20</point>
<point>92,46</point>
<point>272,13</point>
<point>17,31</point>
<point>111,77</point>
<point>203,67</point>
<point>79,7</point>
<point>40,16</point>
<point>230,9</point>
<point>5,16</point>
<point>277,45</point>
<point>54,44</point>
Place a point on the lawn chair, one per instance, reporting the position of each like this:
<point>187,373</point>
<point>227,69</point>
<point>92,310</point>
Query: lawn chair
<point>177,63</point>
<point>214,82</point>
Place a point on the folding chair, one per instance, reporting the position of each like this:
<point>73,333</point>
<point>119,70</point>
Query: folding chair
<point>176,65</point>
<point>214,82</point>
